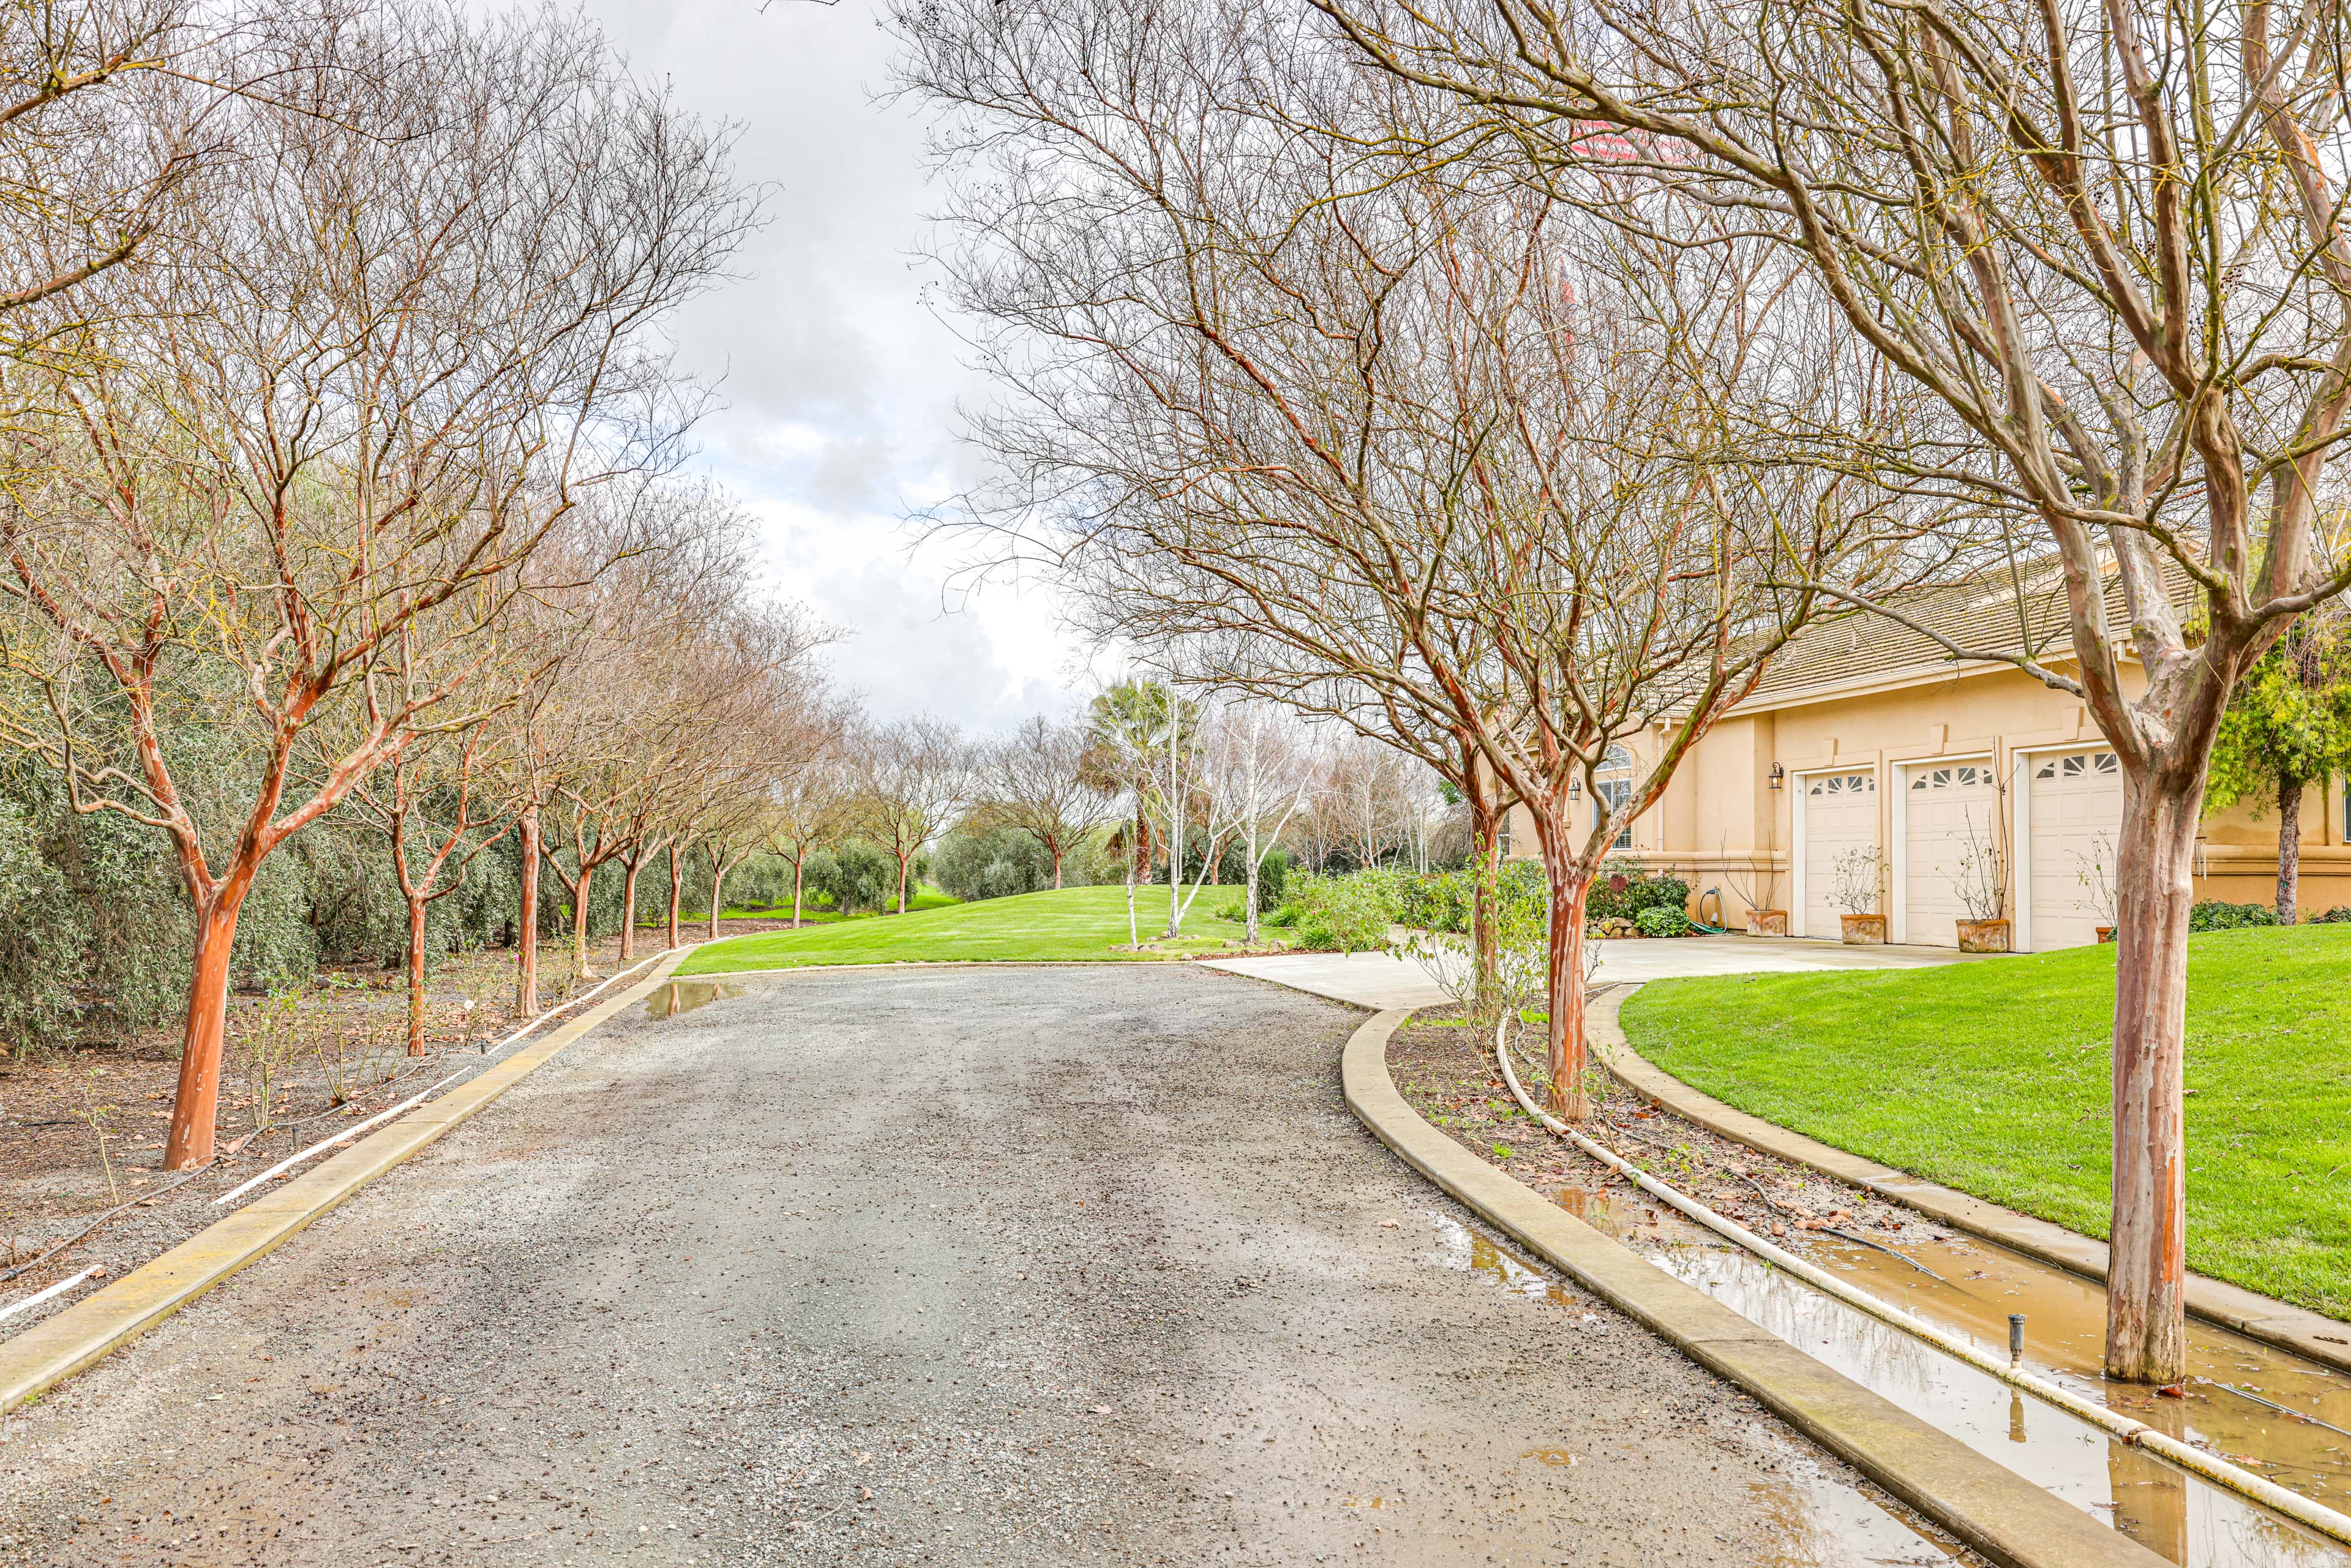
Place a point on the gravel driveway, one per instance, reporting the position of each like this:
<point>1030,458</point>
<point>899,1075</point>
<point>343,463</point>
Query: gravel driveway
<point>992,1265</point>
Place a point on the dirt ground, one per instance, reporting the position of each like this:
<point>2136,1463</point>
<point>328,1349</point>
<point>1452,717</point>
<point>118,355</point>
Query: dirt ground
<point>81,1129</point>
<point>1447,1071</point>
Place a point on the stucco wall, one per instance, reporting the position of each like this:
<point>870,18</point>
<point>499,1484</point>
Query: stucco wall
<point>1721,825</point>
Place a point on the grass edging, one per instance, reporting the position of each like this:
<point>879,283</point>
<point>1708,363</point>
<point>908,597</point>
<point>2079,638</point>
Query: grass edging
<point>53,1350</point>
<point>1990,1507</point>
<point>2306,1332</point>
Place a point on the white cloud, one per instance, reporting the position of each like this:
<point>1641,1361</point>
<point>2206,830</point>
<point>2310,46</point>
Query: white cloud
<point>841,384</point>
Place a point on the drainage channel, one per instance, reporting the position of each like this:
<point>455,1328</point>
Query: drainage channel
<point>2258,1407</point>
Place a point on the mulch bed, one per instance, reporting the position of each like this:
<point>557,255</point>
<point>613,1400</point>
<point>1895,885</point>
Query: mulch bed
<point>1445,1069</point>
<point>82,1129</point>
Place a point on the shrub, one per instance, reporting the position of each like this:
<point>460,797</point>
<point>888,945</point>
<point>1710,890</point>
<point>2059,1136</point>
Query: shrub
<point>2338,915</point>
<point>2213,915</point>
<point>854,876</point>
<point>1659,920</point>
<point>1233,909</point>
<point>1347,913</point>
<point>1621,892</point>
<point>976,865</point>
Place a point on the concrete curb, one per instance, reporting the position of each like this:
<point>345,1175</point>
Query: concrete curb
<point>88,1332</point>
<point>2304,1333</point>
<point>1990,1507</point>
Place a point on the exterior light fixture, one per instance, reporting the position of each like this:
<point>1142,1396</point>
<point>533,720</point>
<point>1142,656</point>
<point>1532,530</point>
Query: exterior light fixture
<point>1575,788</point>
<point>1779,779</point>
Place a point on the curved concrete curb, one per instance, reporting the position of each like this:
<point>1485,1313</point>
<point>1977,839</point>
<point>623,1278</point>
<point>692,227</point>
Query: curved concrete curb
<point>1985,1504</point>
<point>2304,1333</point>
<point>55,1349</point>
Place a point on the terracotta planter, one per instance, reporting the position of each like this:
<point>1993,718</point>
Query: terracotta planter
<point>2106,932</point>
<point>1862,930</point>
<point>1767,923</point>
<point>1983,936</point>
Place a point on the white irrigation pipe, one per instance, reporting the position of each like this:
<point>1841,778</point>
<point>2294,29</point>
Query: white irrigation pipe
<point>2139,1435</point>
<point>353,1131</point>
<point>37,1297</point>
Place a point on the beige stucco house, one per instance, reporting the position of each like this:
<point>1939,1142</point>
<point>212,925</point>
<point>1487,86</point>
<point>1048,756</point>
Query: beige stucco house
<point>1865,734</point>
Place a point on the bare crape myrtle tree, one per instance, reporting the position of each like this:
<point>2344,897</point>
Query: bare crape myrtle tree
<point>1442,440</point>
<point>2108,240</point>
<point>294,454</point>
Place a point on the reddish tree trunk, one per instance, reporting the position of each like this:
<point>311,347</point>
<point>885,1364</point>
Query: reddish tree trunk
<point>795,891</point>
<point>526,928</point>
<point>903,861</point>
<point>1570,887</point>
<point>580,920</point>
<point>676,892</point>
<point>197,1102</point>
<point>2147,1269</point>
<point>628,909</point>
<point>1057,866</point>
<point>2289,877</point>
<point>718,891</point>
<point>415,975</point>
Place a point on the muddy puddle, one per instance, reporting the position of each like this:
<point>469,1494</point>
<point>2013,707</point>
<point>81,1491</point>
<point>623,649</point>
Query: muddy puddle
<point>684,996</point>
<point>2178,1516</point>
<point>1820,1520</point>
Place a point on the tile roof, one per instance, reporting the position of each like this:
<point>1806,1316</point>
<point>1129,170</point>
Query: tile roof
<point>1850,646</point>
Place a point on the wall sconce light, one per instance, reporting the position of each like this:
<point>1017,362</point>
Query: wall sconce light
<point>1575,788</point>
<point>1779,776</point>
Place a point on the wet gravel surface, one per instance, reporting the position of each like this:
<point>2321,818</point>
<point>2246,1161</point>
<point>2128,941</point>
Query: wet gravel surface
<point>993,1266</point>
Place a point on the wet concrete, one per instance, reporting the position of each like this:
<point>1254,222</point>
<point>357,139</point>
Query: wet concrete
<point>1017,1266</point>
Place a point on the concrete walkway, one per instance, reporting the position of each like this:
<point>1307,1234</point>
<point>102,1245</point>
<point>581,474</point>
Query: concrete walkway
<point>1380,980</point>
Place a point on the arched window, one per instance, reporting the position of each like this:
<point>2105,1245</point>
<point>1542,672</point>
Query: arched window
<point>1612,781</point>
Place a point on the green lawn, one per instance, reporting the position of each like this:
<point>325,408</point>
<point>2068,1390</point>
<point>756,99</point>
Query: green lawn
<point>1072,923</point>
<point>925,896</point>
<point>1993,1077</point>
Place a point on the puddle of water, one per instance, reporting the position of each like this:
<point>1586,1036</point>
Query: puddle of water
<point>1819,1521</point>
<point>2178,1516</point>
<point>684,996</point>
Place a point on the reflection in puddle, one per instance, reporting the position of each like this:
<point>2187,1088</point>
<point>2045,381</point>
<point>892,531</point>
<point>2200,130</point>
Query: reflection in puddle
<point>1818,1520</point>
<point>684,996</point>
<point>2170,1512</point>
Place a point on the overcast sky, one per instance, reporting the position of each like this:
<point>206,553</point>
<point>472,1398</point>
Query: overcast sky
<point>841,384</point>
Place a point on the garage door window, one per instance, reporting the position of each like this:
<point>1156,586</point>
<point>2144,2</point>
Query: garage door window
<point>2082,764</point>
<point>1965,776</point>
<point>1844,784</point>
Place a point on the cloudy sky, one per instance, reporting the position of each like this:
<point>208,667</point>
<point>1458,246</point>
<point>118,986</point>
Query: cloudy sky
<point>840,383</point>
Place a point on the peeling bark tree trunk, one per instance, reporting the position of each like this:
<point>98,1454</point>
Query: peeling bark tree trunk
<point>903,861</point>
<point>2147,1269</point>
<point>1057,866</point>
<point>526,928</point>
<point>797,866</point>
<point>629,868</point>
<point>579,922</point>
<point>415,975</point>
<point>2289,877</point>
<point>197,1102</point>
<point>1570,887</point>
<point>676,892</point>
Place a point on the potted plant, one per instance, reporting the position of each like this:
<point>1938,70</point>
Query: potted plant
<point>1982,887</point>
<point>1755,887</point>
<point>2096,872</point>
<point>1853,876</point>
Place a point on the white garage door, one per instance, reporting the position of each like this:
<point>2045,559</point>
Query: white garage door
<point>2077,809</point>
<point>1840,815</point>
<point>1944,805</point>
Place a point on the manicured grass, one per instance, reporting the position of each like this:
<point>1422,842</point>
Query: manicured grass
<point>923,896</point>
<point>1080,922</point>
<point>1994,1077</point>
